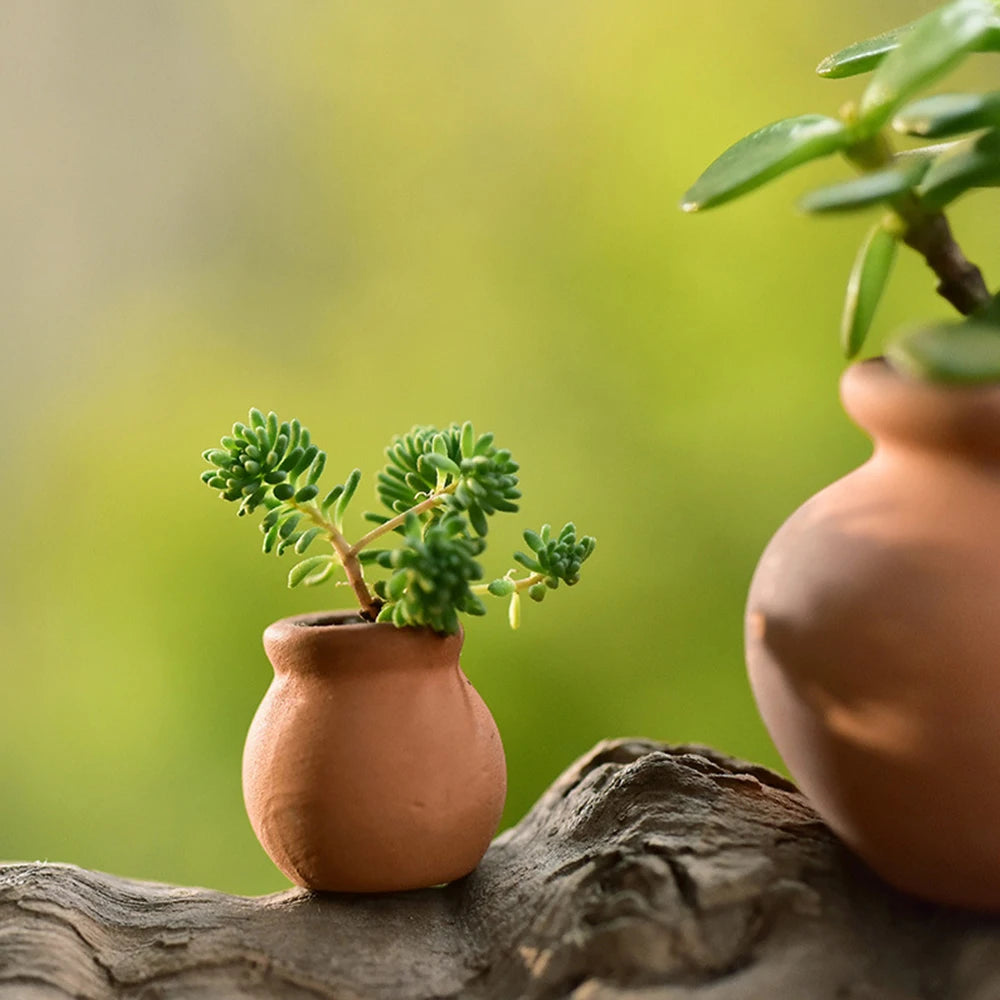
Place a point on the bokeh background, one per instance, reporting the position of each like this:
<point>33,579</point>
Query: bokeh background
<point>370,215</point>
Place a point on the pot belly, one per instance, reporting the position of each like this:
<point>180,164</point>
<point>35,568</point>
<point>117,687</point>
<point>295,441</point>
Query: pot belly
<point>873,650</point>
<point>361,801</point>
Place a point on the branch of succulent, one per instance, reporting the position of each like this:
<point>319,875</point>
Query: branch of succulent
<point>912,186</point>
<point>440,487</point>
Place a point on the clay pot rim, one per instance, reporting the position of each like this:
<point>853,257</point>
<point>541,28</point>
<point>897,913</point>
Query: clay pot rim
<point>342,632</point>
<point>880,367</point>
<point>341,620</point>
<point>891,405</point>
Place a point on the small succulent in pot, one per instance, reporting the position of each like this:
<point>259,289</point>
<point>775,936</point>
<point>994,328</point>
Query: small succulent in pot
<point>910,187</point>
<point>372,764</point>
<point>439,488</point>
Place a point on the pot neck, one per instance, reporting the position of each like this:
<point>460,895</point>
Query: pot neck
<point>336,642</point>
<point>898,410</point>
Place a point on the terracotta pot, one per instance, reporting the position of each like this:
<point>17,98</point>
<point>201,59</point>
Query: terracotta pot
<point>372,764</point>
<point>873,639</point>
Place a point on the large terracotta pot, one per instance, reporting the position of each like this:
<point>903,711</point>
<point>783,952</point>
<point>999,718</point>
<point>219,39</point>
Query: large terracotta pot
<point>372,764</point>
<point>873,639</point>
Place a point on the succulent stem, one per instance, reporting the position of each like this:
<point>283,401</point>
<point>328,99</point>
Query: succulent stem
<point>348,556</point>
<point>519,585</point>
<point>960,282</point>
<point>393,523</point>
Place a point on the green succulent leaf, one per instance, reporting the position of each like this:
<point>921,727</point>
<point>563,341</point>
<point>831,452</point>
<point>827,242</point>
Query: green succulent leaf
<point>467,440</point>
<point>559,558</point>
<point>441,463</point>
<point>945,115</point>
<point>869,189</point>
<point>527,562</point>
<point>763,155</point>
<point>316,469</point>
<point>350,487</point>
<point>307,538</point>
<point>936,43</point>
<point>270,538</point>
<point>534,540</point>
<point>396,586</point>
<point>331,498</point>
<point>867,282</point>
<point>965,353</point>
<point>311,568</point>
<point>971,164</point>
<point>479,479</point>
<point>862,56</point>
<point>514,611</point>
<point>308,457</point>
<point>288,525</point>
<point>431,577</point>
<point>502,587</point>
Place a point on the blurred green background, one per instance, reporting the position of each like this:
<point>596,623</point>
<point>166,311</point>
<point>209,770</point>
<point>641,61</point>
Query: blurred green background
<point>371,215</point>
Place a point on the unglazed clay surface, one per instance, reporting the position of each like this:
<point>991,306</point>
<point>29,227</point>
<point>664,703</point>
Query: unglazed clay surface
<point>372,763</point>
<point>873,639</point>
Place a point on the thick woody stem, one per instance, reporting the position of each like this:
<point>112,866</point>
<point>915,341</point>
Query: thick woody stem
<point>370,606</point>
<point>960,282</point>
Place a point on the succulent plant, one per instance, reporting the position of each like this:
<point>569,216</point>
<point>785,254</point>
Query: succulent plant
<point>910,187</point>
<point>440,487</point>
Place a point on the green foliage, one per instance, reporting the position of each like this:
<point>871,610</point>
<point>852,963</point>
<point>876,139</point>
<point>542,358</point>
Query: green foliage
<point>431,574</point>
<point>478,478</point>
<point>556,559</point>
<point>961,352</point>
<point>971,164</point>
<point>440,488</point>
<point>261,462</point>
<point>862,57</point>
<point>935,44</point>
<point>944,115</point>
<point>553,560</point>
<point>912,185</point>
<point>763,155</point>
<point>868,189</point>
<point>865,286</point>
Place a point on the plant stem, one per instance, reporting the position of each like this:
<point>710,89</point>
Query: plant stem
<point>393,523</point>
<point>519,585</point>
<point>960,282</point>
<point>348,554</point>
<point>370,606</point>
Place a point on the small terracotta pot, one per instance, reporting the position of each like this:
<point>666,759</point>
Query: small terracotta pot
<point>372,764</point>
<point>873,639</point>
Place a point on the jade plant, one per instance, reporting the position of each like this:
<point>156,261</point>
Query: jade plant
<point>440,488</point>
<point>910,181</point>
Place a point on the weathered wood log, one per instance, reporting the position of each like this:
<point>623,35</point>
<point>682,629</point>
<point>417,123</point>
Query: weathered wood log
<point>646,872</point>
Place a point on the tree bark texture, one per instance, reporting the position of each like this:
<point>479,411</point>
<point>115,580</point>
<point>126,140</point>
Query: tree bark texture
<point>646,872</point>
